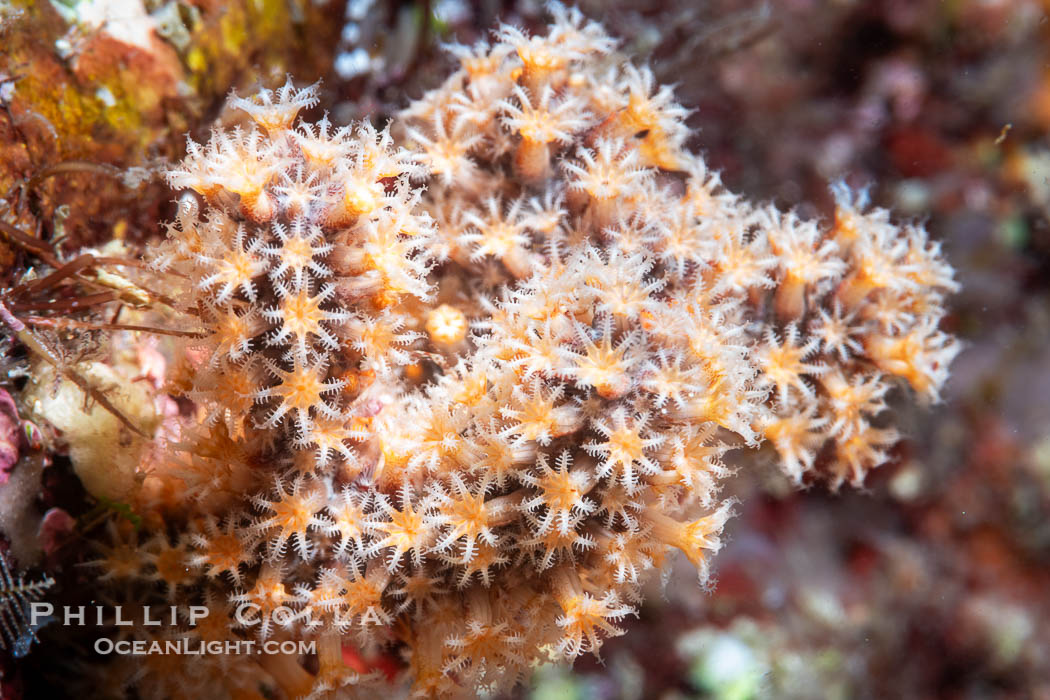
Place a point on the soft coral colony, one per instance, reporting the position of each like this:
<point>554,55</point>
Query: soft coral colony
<point>462,386</point>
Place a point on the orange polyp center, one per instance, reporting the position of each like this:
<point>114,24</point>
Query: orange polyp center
<point>297,252</point>
<point>537,417</point>
<point>469,513</point>
<point>224,552</point>
<point>560,491</point>
<point>625,446</point>
<point>540,60</point>
<point>404,528</point>
<point>239,266</point>
<point>269,595</point>
<point>171,565</point>
<point>301,389</point>
<point>293,514</point>
<point>447,324</point>
<point>302,314</point>
<point>360,198</point>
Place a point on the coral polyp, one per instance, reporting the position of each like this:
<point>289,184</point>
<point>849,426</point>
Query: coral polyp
<point>457,390</point>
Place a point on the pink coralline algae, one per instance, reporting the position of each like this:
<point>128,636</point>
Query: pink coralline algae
<point>10,435</point>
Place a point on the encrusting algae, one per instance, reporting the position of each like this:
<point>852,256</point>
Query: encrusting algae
<point>458,388</point>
